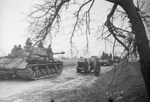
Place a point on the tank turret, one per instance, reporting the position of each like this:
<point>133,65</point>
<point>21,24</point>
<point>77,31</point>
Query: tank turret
<point>40,54</point>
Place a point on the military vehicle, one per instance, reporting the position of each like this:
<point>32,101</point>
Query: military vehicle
<point>106,62</point>
<point>116,59</point>
<point>109,61</point>
<point>106,59</point>
<point>30,63</point>
<point>92,63</point>
<point>80,65</point>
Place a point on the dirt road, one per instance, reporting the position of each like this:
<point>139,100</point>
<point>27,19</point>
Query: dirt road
<point>18,90</point>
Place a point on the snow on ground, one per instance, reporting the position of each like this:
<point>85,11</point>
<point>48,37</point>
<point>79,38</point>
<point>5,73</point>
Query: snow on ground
<point>68,80</point>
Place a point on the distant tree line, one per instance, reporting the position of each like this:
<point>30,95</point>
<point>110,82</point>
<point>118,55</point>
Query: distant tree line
<point>67,58</point>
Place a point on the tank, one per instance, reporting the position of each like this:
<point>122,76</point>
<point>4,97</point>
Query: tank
<point>106,61</point>
<point>30,63</point>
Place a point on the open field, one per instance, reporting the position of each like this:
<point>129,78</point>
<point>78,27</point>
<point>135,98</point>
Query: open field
<point>69,63</point>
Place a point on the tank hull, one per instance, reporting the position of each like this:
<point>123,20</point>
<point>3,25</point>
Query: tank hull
<point>6,73</point>
<point>35,71</point>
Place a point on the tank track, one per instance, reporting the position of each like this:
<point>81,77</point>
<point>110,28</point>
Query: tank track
<point>39,71</point>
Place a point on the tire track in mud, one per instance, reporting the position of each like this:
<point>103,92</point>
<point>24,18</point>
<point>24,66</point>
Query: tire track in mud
<point>17,86</point>
<point>69,79</point>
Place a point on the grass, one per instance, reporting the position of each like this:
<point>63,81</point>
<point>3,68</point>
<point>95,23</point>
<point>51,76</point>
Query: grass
<point>129,80</point>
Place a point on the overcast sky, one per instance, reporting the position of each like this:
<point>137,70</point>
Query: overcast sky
<point>13,27</point>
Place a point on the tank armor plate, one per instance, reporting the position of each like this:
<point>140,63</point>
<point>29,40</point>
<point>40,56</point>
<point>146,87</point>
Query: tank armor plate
<point>38,71</point>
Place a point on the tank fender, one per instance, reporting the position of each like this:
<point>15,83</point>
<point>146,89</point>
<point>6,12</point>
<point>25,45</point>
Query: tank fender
<point>22,65</point>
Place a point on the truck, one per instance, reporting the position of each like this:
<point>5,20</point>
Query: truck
<point>93,65</point>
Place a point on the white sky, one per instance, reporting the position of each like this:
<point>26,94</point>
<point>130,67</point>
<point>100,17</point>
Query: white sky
<point>13,27</point>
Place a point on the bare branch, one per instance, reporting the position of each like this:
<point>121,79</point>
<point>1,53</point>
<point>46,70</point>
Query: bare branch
<point>111,27</point>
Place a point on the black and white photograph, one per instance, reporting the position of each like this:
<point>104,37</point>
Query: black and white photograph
<point>74,50</point>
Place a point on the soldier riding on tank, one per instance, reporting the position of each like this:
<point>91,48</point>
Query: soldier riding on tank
<point>14,49</point>
<point>28,42</point>
<point>19,48</point>
<point>50,52</point>
<point>40,44</point>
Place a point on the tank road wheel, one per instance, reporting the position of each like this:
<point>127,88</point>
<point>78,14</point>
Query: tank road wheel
<point>9,76</point>
<point>60,68</point>
<point>2,77</point>
<point>45,72</point>
<point>42,72</point>
<point>38,74</point>
<point>33,75</point>
<point>56,70</point>
<point>49,71</point>
<point>37,71</point>
<point>52,71</point>
<point>96,73</point>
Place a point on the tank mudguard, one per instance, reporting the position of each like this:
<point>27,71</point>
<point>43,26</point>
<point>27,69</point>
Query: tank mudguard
<point>14,63</point>
<point>22,65</point>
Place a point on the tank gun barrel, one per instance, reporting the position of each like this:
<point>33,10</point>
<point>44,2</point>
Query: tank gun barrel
<point>59,53</point>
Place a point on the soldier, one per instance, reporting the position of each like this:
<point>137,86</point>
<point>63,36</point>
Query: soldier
<point>28,42</point>
<point>19,48</point>
<point>50,53</point>
<point>14,49</point>
<point>97,67</point>
<point>90,66</point>
<point>40,44</point>
<point>18,51</point>
<point>86,67</point>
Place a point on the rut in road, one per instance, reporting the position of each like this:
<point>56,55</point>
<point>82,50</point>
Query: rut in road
<point>69,79</point>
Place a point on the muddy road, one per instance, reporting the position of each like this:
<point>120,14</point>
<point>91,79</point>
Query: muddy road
<point>18,90</point>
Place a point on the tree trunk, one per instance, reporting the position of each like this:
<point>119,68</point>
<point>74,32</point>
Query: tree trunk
<point>140,37</point>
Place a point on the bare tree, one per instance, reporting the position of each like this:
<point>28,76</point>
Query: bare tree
<point>140,42</point>
<point>46,19</point>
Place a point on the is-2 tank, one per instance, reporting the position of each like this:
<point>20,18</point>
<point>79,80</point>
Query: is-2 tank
<point>30,63</point>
